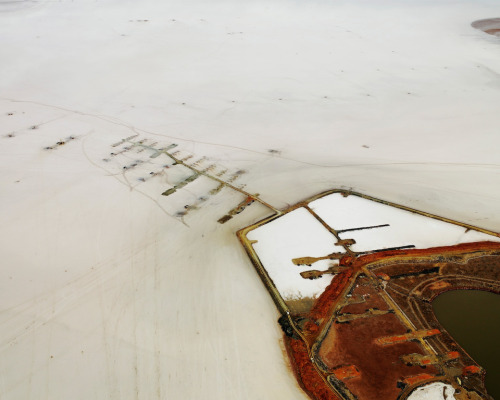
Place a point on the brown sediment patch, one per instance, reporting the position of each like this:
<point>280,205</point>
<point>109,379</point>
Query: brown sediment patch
<point>299,306</point>
<point>308,377</point>
<point>389,256</point>
<point>368,299</point>
<point>490,25</point>
<point>311,380</point>
<point>355,343</point>
<point>330,295</point>
<point>337,350</point>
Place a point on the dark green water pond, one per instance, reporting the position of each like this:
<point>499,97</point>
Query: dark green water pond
<point>472,317</point>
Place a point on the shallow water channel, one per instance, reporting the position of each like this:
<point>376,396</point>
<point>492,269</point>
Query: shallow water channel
<point>472,317</point>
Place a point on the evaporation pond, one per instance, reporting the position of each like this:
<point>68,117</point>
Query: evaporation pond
<point>472,317</point>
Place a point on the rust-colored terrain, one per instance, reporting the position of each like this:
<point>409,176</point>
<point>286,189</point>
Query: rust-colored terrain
<point>373,335</point>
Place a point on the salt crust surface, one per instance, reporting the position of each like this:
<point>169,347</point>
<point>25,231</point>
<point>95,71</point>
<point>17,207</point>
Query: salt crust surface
<point>106,295</point>
<point>405,228</point>
<point>296,234</point>
<point>433,391</point>
<point>299,234</point>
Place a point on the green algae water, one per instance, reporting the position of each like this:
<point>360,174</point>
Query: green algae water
<point>472,317</point>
